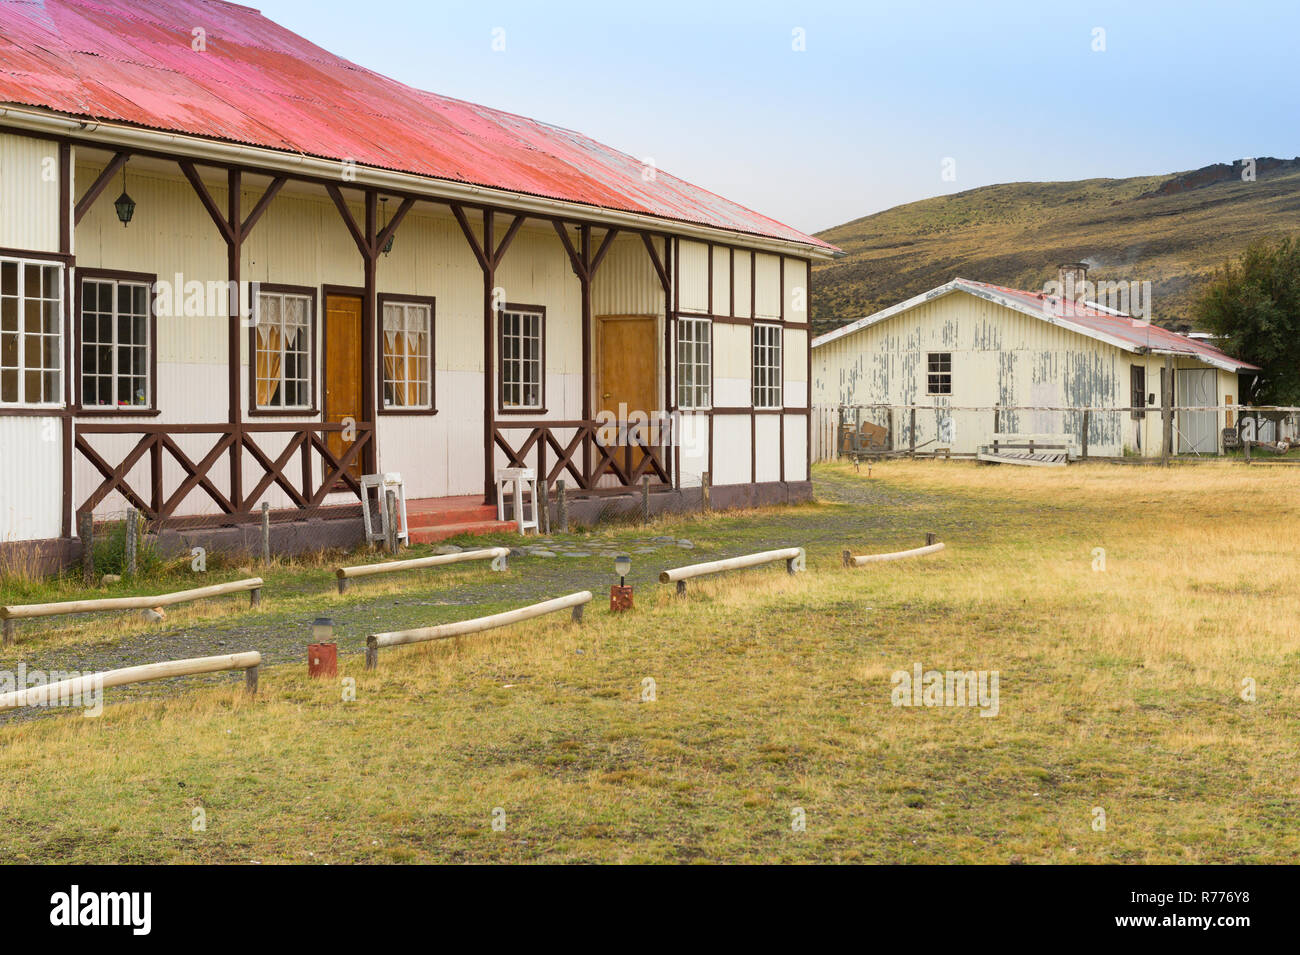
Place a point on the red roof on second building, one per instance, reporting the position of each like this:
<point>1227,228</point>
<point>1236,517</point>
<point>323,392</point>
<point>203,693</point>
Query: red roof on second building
<point>257,83</point>
<point>1134,331</point>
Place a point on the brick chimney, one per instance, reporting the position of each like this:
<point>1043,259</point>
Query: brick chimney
<point>1071,277</point>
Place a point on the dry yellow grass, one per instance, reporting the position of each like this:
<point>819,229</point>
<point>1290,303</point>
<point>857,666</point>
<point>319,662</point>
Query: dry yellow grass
<point>1119,689</point>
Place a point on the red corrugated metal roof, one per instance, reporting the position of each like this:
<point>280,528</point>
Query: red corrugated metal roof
<point>259,84</point>
<point>1134,331</point>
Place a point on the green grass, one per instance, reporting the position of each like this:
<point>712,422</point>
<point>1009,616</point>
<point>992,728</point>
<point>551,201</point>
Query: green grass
<point>1119,689</point>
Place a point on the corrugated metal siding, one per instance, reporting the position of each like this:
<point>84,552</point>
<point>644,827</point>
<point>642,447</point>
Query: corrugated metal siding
<point>693,276</point>
<point>796,291</point>
<point>732,366</point>
<point>1000,356</point>
<point>767,431</point>
<point>626,283</point>
<point>731,455</point>
<point>767,281</point>
<point>301,241</point>
<point>721,281</point>
<point>29,193</point>
<point>795,343</point>
<point>31,478</point>
<point>743,267</point>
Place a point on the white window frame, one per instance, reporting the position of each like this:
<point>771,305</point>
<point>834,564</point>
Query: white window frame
<point>308,351</point>
<point>22,333</point>
<point>115,344</point>
<point>694,372</point>
<point>519,365</point>
<point>930,376</point>
<point>407,308</point>
<point>768,368</point>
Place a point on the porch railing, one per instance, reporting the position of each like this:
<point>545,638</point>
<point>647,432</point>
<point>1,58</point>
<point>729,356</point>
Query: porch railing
<point>585,452</point>
<point>158,443</point>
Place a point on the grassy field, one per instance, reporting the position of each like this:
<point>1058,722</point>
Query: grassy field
<point>1120,690</point>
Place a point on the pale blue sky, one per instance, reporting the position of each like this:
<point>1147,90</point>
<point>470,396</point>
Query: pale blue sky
<point>864,117</point>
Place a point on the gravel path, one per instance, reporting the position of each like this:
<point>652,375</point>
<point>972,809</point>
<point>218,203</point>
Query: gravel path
<point>852,509</point>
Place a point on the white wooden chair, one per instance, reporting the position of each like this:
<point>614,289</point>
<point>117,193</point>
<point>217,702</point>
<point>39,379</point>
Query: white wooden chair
<point>521,480</point>
<point>383,483</point>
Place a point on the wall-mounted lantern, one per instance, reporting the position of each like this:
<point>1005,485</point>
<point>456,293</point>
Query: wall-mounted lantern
<point>124,205</point>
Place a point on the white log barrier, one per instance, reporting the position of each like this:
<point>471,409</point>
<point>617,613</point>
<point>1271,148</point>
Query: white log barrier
<point>929,548</point>
<point>83,686</point>
<point>497,555</point>
<point>443,631</point>
<point>794,557</point>
<point>13,613</point>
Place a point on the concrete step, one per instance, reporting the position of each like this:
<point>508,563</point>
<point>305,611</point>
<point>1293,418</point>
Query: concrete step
<point>433,534</point>
<point>464,514</point>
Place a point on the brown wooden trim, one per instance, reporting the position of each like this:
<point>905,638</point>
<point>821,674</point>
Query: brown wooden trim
<point>66,228</point>
<point>38,411</point>
<point>150,281</point>
<point>390,229</point>
<point>205,198</point>
<point>708,249</point>
<point>57,257</point>
<point>347,291</point>
<point>348,220</point>
<point>158,440</point>
<point>741,320</point>
<point>271,172</point>
<point>101,182</point>
<point>753,417</point>
<point>542,436</point>
<point>731,281</point>
<point>746,410</point>
<point>808,385</point>
<point>501,408</point>
<point>386,298</point>
<point>271,191</point>
<point>254,409</point>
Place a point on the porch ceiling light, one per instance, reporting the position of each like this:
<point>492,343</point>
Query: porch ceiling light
<point>124,205</point>
<point>388,246</point>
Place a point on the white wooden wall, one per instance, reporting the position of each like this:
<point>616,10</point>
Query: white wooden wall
<point>999,356</point>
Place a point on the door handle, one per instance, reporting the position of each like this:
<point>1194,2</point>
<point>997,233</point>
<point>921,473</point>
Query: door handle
<point>605,396</point>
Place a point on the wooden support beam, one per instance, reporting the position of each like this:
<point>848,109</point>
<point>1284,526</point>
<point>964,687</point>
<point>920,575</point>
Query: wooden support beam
<point>391,229</point>
<point>600,252</point>
<point>346,214</point>
<point>657,262</point>
<point>509,237</point>
<point>99,185</point>
<point>271,191</point>
<point>205,197</point>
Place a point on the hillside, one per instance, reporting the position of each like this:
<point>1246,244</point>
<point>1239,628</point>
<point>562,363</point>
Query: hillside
<point>1170,230</point>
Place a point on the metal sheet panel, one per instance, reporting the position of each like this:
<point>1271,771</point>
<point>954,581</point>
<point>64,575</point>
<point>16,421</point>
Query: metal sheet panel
<point>131,61</point>
<point>29,194</point>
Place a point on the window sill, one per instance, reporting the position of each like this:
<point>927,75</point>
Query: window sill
<point>400,412</point>
<point>106,412</point>
<point>38,411</point>
<point>522,411</point>
<point>283,412</point>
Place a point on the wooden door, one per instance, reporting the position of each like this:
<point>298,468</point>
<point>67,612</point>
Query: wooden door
<point>343,371</point>
<point>628,366</point>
